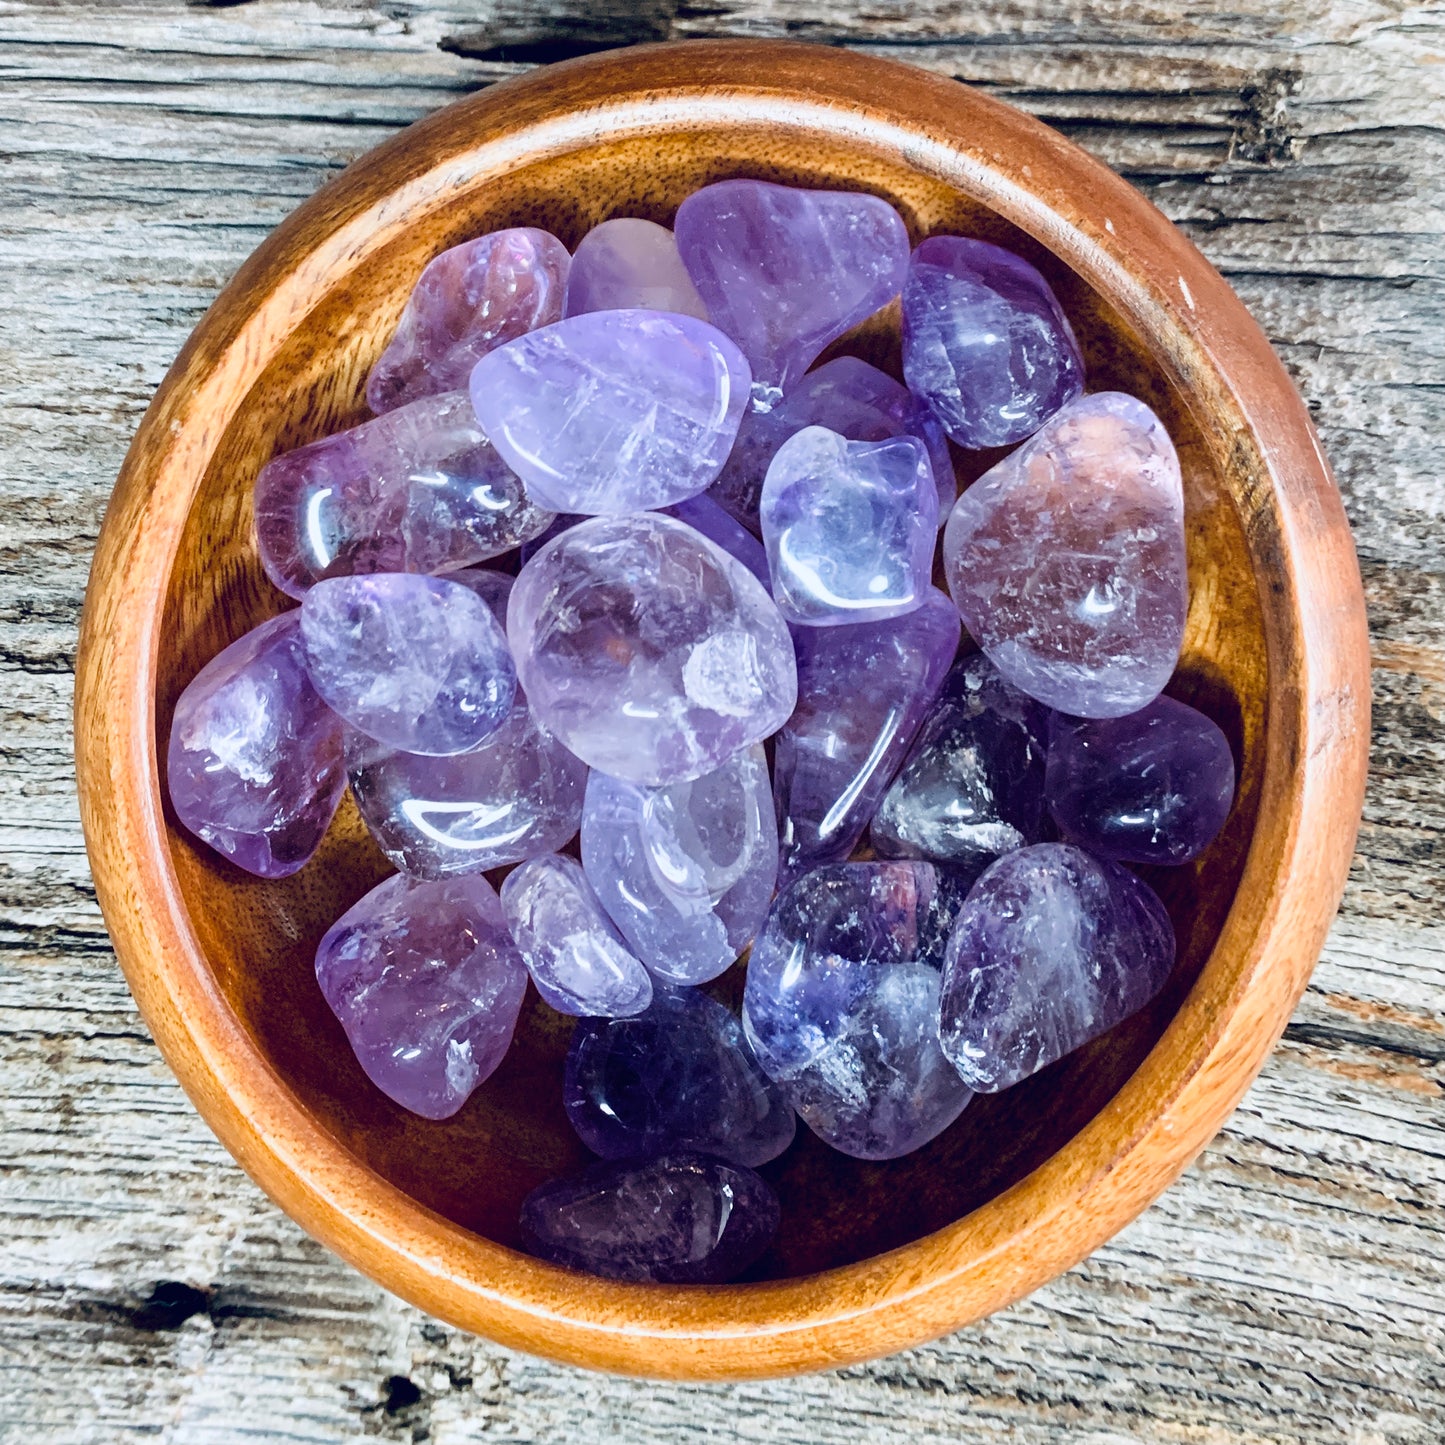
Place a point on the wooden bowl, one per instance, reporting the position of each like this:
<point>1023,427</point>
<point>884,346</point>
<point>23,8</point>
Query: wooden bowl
<point>870,1257</point>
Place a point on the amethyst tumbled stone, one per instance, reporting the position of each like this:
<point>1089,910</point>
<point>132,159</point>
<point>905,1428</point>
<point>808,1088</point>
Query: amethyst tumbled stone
<point>470,299</point>
<point>1153,787</point>
<point>985,343</point>
<point>614,411</point>
<point>254,764</point>
<point>1067,559</point>
<point>849,527</point>
<point>841,1004</point>
<point>417,490</point>
<point>418,663</point>
<point>651,653</point>
<point>680,1219</point>
<point>427,983</point>
<point>627,263</point>
<point>722,527</point>
<point>1051,949</point>
<point>785,271</point>
<point>679,1076</point>
<point>576,957</point>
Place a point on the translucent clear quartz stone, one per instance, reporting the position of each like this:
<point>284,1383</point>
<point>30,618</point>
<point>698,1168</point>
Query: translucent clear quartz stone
<point>469,300</point>
<point>686,871</point>
<point>785,271</point>
<point>1051,949</point>
<point>849,527</point>
<point>614,411</point>
<point>576,957</point>
<point>1067,559</point>
<point>427,983</point>
<point>254,763</point>
<point>626,263</point>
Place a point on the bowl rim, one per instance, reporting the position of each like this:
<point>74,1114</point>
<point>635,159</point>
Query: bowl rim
<point>1316,736</point>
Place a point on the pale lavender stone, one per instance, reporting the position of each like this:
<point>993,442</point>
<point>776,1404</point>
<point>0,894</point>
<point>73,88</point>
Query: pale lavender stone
<point>1067,559</point>
<point>986,344</point>
<point>427,983</point>
<point>841,1004</point>
<point>626,263</point>
<point>418,663</point>
<point>785,271</point>
<point>972,787</point>
<point>679,1076</point>
<point>1051,949</point>
<point>614,411</point>
<point>417,490</point>
<point>862,694</point>
<point>651,653</point>
<point>576,957</point>
<point>254,762</point>
<point>469,300</point>
<point>680,1219</point>
<point>704,515</point>
<point>847,396</point>
<point>687,870</point>
<point>1153,787</point>
<point>849,527</point>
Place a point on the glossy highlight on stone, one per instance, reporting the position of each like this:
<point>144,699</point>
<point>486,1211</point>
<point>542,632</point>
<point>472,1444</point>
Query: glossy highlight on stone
<point>626,263</point>
<point>469,300</point>
<point>686,871</point>
<point>863,692</point>
<point>784,271</point>
<point>1153,787</point>
<point>254,763</point>
<point>417,490</point>
<point>614,411</point>
<point>651,653</point>
<point>427,983</point>
<point>1067,559</point>
<point>986,345</point>
<point>841,1004</point>
<point>680,1219</point>
<point>849,527</point>
<point>418,663</point>
<point>678,1077</point>
<point>576,957</point>
<point>1051,949</point>
<point>972,787</point>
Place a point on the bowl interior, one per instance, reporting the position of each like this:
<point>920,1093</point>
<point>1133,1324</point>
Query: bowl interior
<point>260,937</point>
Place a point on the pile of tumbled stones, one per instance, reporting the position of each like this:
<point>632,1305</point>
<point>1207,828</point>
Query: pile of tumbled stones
<point>700,544</point>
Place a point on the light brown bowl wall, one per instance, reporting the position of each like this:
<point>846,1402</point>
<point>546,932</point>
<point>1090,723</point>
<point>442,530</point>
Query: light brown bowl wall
<point>870,1257</point>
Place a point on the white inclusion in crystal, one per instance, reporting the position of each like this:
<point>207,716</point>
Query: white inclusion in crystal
<point>721,674</point>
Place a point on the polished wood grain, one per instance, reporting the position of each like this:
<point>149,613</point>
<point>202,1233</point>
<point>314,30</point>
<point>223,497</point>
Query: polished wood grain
<point>871,1257</point>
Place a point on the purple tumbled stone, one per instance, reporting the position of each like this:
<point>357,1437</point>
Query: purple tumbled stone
<point>418,663</point>
<point>704,515</point>
<point>254,764</point>
<point>678,1077</point>
<point>841,1004</point>
<point>849,527</point>
<point>687,870</point>
<point>427,983</point>
<point>785,271</point>
<point>614,411</point>
<point>417,490</point>
<point>627,263</point>
<point>651,653</point>
<point>863,691</point>
<point>1067,559</point>
<point>470,299</point>
<point>847,396</point>
<point>1050,949</point>
<point>680,1219</point>
<point>1153,787</point>
<point>972,787</point>
<point>986,345</point>
<point>576,957</point>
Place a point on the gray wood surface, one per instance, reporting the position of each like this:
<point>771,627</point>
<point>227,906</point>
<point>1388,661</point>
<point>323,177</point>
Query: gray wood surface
<point>1290,1288</point>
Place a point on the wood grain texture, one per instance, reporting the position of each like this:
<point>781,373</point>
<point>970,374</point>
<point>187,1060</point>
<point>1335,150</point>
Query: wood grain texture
<point>1288,1288</point>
